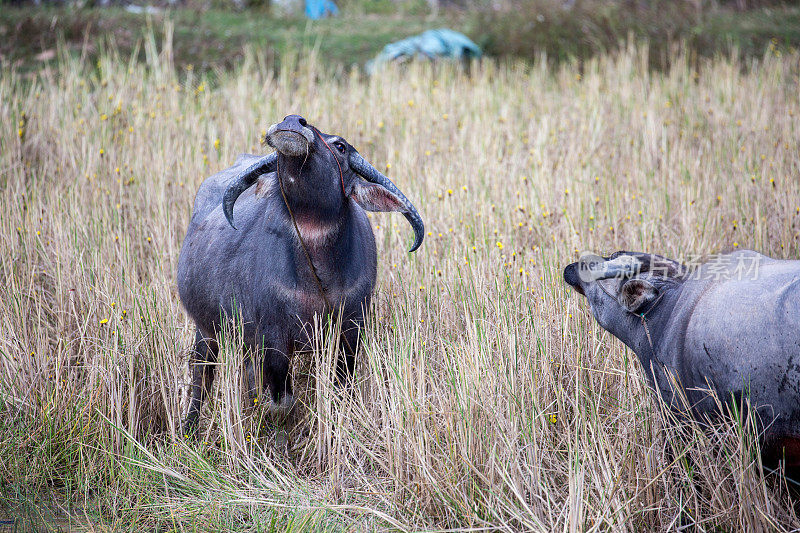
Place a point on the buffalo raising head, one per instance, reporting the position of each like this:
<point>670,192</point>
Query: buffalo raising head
<point>323,171</point>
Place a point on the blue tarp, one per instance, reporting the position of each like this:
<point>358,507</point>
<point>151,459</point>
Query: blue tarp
<point>317,9</point>
<point>441,43</point>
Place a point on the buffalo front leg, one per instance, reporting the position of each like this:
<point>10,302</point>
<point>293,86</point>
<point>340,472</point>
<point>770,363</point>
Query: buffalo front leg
<point>276,352</point>
<point>346,363</point>
<point>201,367</point>
<point>266,367</point>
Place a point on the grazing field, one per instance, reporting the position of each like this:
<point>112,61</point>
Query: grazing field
<point>486,397</point>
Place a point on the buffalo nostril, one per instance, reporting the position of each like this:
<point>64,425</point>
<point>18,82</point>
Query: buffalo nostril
<point>302,122</point>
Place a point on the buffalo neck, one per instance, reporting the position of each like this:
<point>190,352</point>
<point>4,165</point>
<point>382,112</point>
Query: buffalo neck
<point>313,197</point>
<point>322,228</point>
<point>644,333</point>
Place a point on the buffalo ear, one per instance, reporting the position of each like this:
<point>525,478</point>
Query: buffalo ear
<point>635,294</point>
<point>374,197</point>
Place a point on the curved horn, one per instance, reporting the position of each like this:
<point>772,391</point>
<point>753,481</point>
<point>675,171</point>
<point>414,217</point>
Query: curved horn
<point>244,180</point>
<point>361,167</point>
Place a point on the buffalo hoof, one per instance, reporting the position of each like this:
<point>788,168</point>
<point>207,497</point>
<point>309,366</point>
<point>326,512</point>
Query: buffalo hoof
<point>281,410</point>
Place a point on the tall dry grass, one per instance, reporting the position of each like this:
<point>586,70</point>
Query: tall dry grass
<point>486,397</point>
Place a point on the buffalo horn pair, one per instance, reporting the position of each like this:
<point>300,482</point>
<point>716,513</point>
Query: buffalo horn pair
<point>357,163</point>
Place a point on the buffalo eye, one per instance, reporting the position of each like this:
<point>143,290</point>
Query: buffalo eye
<point>340,146</point>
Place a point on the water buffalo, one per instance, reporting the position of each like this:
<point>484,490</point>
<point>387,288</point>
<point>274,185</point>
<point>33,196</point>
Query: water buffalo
<point>730,325</point>
<point>302,245</point>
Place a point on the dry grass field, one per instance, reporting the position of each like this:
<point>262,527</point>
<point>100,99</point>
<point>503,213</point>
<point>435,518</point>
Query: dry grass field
<point>486,397</point>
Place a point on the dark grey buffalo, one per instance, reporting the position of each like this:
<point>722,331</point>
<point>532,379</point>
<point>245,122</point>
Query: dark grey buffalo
<point>730,325</point>
<point>261,270</point>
